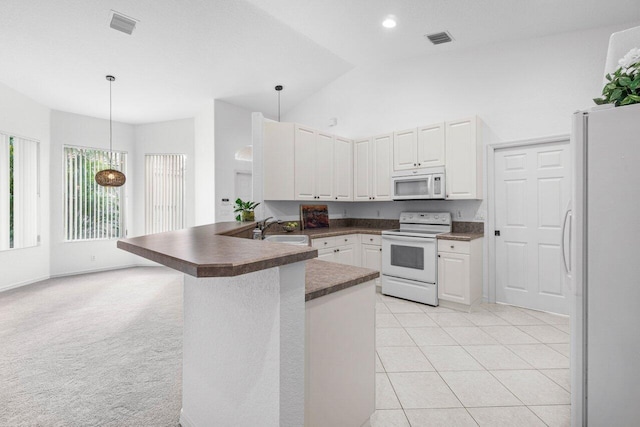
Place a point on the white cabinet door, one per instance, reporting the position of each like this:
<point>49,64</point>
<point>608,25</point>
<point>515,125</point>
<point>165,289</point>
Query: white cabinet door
<point>279,161</point>
<point>361,169</point>
<point>327,254</point>
<point>405,152</point>
<point>343,169</point>
<point>453,277</point>
<point>305,160</point>
<point>324,166</point>
<point>346,254</point>
<point>464,160</point>
<point>372,257</point>
<point>431,146</point>
<point>382,167</point>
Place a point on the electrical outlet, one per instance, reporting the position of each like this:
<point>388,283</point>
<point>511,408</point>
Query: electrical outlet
<point>93,257</point>
<point>378,213</point>
<point>459,214</point>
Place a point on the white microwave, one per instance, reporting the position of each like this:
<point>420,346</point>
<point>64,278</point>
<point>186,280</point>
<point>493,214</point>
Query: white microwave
<point>419,184</point>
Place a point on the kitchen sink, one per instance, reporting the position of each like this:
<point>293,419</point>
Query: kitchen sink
<point>297,239</point>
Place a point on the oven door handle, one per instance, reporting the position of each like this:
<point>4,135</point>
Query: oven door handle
<point>408,239</point>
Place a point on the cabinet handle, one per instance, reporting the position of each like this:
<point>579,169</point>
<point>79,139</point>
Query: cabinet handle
<point>336,198</point>
<point>325,243</point>
<point>415,164</point>
<point>419,164</point>
<point>346,240</point>
<point>380,249</point>
<point>371,240</point>
<point>438,256</point>
<point>451,246</point>
<point>337,250</point>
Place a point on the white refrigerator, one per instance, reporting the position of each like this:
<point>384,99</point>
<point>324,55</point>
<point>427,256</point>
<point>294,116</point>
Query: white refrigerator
<point>602,260</point>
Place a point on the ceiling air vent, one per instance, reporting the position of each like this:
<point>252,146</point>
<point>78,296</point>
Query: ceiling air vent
<point>439,38</point>
<point>122,23</point>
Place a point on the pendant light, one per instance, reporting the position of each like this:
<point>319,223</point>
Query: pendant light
<point>279,89</point>
<point>110,177</point>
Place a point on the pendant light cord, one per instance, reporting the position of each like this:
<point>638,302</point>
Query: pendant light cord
<point>278,106</point>
<point>110,129</point>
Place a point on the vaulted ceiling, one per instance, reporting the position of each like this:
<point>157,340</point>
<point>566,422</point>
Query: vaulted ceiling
<point>183,54</point>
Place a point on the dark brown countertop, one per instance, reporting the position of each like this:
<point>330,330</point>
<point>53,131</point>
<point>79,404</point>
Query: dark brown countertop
<point>318,233</point>
<point>324,278</point>
<point>465,237</point>
<point>208,251</point>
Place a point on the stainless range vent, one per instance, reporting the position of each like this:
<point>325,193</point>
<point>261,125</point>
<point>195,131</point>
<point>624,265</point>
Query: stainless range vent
<point>439,38</point>
<point>122,23</point>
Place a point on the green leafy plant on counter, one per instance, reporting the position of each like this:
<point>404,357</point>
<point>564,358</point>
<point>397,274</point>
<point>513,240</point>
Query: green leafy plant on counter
<point>624,85</point>
<point>245,209</point>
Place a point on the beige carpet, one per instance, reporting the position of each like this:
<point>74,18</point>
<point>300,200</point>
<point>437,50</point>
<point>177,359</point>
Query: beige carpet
<point>101,349</point>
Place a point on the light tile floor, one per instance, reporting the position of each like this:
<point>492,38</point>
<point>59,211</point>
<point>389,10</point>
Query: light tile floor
<point>496,366</point>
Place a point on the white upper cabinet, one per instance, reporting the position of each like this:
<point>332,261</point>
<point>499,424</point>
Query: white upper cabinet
<point>381,168</point>
<point>362,169</point>
<point>314,164</point>
<point>278,155</point>
<point>405,149</point>
<point>324,175</point>
<point>430,143</point>
<point>343,169</point>
<point>419,148</point>
<point>463,152</point>
<point>372,168</point>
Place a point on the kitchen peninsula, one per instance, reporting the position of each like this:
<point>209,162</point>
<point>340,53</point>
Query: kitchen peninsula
<point>250,339</point>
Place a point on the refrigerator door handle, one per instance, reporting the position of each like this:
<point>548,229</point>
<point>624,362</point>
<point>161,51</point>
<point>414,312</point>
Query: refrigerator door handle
<point>567,215</point>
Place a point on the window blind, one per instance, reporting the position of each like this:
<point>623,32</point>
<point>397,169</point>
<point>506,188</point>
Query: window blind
<point>164,192</point>
<point>92,212</point>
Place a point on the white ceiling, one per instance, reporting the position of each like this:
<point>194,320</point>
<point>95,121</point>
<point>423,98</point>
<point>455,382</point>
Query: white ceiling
<point>185,53</point>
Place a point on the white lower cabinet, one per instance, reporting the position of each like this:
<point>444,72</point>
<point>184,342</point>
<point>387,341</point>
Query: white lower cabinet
<point>460,271</point>
<point>360,250</point>
<point>340,249</point>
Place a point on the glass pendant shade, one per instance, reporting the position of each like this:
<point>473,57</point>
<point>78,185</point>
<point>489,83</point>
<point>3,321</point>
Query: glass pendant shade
<point>110,178</point>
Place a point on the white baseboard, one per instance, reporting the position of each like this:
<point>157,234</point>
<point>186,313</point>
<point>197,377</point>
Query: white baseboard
<point>100,270</point>
<point>75,273</point>
<point>25,283</point>
<point>184,420</point>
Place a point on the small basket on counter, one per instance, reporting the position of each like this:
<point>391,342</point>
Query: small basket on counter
<point>290,226</point>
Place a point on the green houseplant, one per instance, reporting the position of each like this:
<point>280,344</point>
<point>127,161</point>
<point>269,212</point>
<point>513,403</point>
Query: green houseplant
<point>623,87</point>
<point>245,209</point>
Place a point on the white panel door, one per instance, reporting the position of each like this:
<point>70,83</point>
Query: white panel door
<point>305,159</point>
<point>324,166</point>
<point>405,150</point>
<point>343,169</point>
<point>532,190</point>
<point>431,145</point>
<point>346,254</point>
<point>382,164</point>
<point>361,169</point>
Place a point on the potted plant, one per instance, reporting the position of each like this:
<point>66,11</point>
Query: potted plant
<point>245,209</point>
<point>624,85</point>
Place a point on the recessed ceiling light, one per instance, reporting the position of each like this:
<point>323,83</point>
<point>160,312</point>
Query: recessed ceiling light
<point>389,22</point>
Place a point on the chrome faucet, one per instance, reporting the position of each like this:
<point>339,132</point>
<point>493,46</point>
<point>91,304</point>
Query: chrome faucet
<point>264,225</point>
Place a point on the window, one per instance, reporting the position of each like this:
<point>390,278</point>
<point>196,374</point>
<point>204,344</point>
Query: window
<point>92,212</point>
<point>164,192</point>
<point>19,192</point>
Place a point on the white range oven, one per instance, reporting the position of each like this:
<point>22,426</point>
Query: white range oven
<point>410,256</point>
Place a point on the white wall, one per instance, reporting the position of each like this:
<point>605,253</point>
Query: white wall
<point>74,129</point>
<point>171,137</point>
<point>204,151</point>
<point>21,116</point>
<point>232,132</point>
